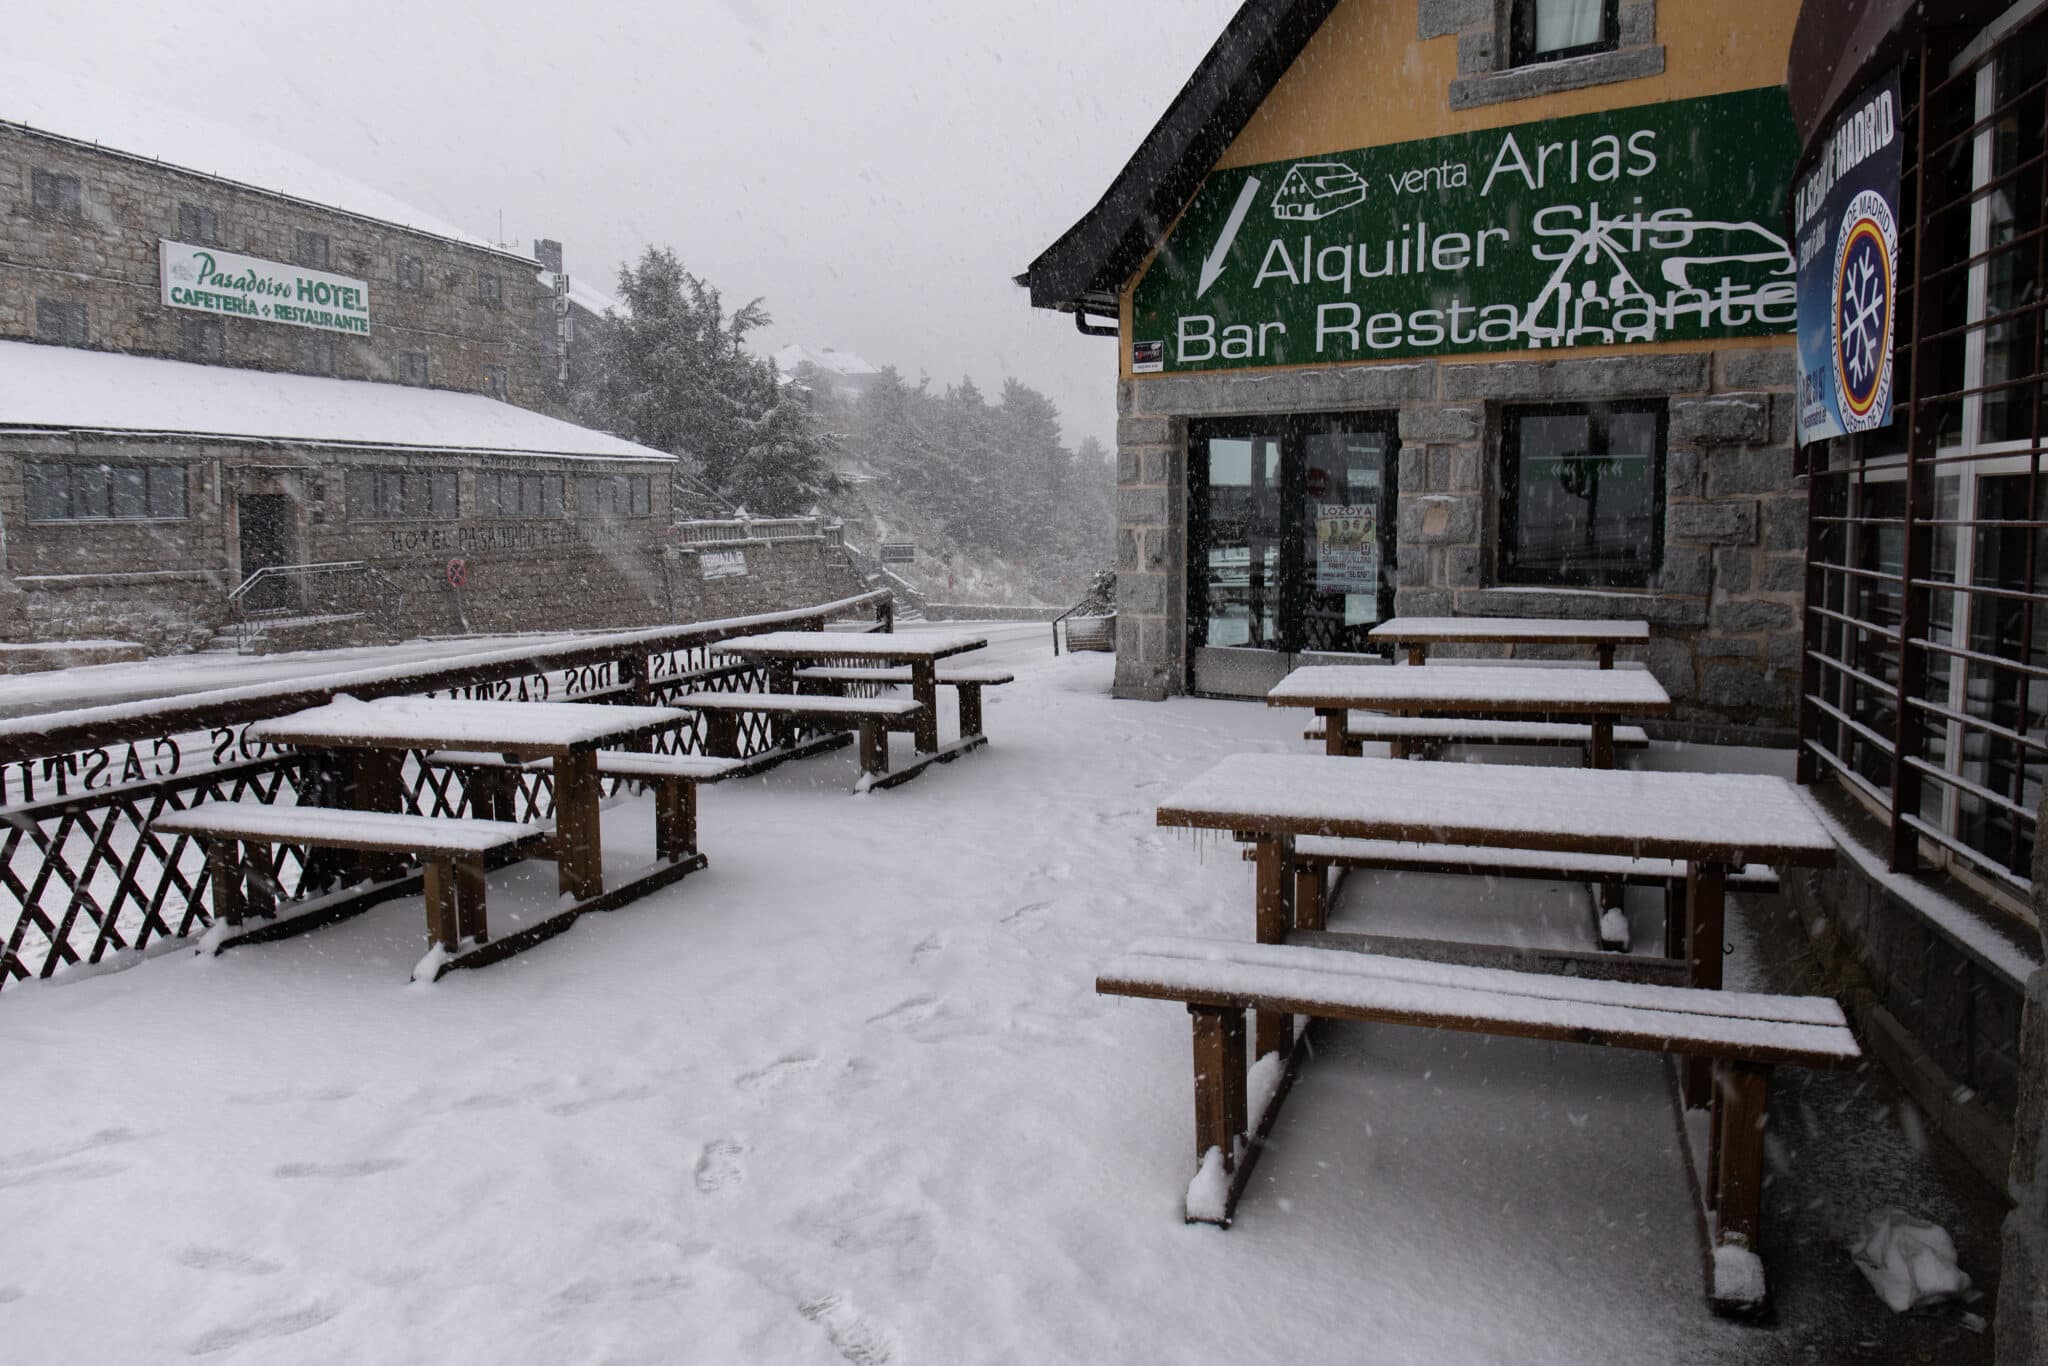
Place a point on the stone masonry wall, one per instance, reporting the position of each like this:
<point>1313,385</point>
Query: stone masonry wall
<point>1724,610</point>
<point>107,259</point>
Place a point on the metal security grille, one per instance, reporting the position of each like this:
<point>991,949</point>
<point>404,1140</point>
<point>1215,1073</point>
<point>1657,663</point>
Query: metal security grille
<point>1926,668</point>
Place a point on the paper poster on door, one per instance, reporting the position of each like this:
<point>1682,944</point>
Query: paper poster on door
<point>1347,548</point>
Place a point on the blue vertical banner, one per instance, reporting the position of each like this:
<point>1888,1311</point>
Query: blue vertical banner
<point>1845,216</point>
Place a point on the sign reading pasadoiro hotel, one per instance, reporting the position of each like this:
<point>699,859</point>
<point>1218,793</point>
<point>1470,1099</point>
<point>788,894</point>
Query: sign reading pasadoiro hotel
<point>1663,222</point>
<point>234,286</point>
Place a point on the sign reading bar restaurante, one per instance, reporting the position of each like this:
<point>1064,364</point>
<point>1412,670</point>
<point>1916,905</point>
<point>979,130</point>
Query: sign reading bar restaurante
<point>1663,222</point>
<point>233,286</point>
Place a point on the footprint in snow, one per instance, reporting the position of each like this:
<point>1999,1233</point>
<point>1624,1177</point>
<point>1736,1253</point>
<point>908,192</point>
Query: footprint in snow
<point>57,1152</point>
<point>568,1108</point>
<point>61,1172</point>
<point>718,1165</point>
<point>368,1166</point>
<point>777,1072</point>
<point>293,1095</point>
<point>931,943</point>
<point>916,1010</point>
<point>227,1261</point>
<point>1029,908</point>
<point>268,1326</point>
<point>856,1339</point>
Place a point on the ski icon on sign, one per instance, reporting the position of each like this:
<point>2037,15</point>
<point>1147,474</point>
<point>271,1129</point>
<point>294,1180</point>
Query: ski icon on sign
<point>1212,264</point>
<point>1317,189</point>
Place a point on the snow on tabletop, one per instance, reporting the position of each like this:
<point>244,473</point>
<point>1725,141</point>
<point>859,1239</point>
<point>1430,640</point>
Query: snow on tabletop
<point>1660,1024</point>
<point>67,387</point>
<point>797,703</point>
<point>1321,963</point>
<point>1324,846</point>
<point>257,820</point>
<point>1455,727</point>
<point>806,644</point>
<point>1646,814</point>
<point>459,723</point>
<point>1513,630</point>
<point>1623,690</point>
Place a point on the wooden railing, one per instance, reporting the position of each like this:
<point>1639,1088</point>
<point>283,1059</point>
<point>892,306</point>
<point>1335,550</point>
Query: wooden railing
<point>720,531</point>
<point>81,875</point>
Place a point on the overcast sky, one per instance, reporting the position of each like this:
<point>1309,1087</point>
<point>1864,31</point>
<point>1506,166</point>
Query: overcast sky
<point>878,170</point>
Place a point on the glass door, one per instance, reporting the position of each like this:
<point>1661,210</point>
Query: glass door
<point>1291,543</point>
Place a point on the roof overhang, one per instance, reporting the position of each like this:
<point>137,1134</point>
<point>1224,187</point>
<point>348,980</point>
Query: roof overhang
<point>1085,270</point>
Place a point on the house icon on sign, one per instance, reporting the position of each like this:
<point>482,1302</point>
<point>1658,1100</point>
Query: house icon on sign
<point>1317,189</point>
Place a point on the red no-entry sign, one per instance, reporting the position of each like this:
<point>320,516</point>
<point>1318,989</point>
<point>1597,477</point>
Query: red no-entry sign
<point>458,573</point>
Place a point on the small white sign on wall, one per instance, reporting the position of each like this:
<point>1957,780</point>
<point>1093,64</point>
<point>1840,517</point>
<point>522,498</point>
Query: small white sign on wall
<point>723,564</point>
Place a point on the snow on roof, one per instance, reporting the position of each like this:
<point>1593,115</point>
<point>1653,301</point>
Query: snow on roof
<point>50,100</point>
<point>586,295</point>
<point>67,387</point>
<point>831,361</point>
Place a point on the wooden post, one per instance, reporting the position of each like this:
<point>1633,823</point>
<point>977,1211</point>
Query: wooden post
<point>1606,648</point>
<point>1603,741</point>
<point>579,848</point>
<point>924,686</point>
<point>1336,729</point>
<point>469,900</point>
<point>1741,1091</point>
<point>1311,898</point>
<point>1273,856</point>
<point>259,882</point>
<point>970,708</point>
<point>1417,652</point>
<point>226,875</point>
<point>1706,893</point>
<point>441,915</point>
<point>874,748</point>
<point>722,734</point>
<point>1220,1110</point>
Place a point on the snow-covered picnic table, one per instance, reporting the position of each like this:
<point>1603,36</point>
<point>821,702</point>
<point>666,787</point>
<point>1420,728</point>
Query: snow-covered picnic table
<point>370,740</point>
<point>784,652</point>
<point>1713,822</point>
<point>1417,634</point>
<point>1597,696</point>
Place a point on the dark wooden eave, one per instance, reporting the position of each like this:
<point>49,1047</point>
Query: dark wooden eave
<point>1840,46</point>
<point>1086,268</point>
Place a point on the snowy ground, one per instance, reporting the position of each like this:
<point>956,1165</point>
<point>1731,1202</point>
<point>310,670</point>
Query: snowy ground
<point>845,1095</point>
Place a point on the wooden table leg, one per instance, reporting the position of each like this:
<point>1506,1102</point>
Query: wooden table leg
<point>1740,1093</point>
<point>1336,730</point>
<point>924,686</point>
<point>374,780</point>
<point>441,917</point>
<point>1706,890</point>
<point>579,849</point>
<point>224,872</point>
<point>1606,655</point>
<point>470,921</point>
<point>1273,856</point>
<point>970,708</point>
<point>1602,753</point>
<point>1417,652</point>
<point>1220,1104</point>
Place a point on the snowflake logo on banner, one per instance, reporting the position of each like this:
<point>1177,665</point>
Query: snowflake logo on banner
<point>1864,318</point>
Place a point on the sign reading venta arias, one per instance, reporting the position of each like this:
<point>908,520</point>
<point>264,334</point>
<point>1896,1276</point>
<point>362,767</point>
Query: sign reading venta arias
<point>235,286</point>
<point>1658,223</point>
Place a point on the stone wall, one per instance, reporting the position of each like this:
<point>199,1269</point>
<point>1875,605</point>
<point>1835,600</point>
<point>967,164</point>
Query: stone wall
<point>107,258</point>
<point>782,573</point>
<point>1724,610</point>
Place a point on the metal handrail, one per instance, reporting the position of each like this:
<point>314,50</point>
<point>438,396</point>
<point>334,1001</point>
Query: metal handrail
<point>239,593</point>
<point>1085,602</point>
<point>238,597</point>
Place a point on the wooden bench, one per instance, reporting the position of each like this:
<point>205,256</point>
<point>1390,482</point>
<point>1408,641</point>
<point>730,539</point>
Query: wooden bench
<point>1743,1034</point>
<point>1426,735</point>
<point>874,717</point>
<point>490,784</point>
<point>451,849</point>
<point>1315,855</point>
<point>832,680</point>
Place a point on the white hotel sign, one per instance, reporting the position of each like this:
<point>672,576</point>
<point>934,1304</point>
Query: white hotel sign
<point>221,282</point>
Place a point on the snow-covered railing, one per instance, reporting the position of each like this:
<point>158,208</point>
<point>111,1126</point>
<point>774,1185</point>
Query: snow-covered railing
<point>723,530</point>
<point>81,876</point>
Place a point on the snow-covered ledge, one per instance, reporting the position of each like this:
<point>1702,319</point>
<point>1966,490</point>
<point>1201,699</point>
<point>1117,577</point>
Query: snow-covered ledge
<point>2023,1270</point>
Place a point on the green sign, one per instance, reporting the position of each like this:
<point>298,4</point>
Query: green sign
<point>236,286</point>
<point>1663,222</point>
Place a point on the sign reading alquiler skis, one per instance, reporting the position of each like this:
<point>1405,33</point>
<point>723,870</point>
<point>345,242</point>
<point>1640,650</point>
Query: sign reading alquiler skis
<point>222,282</point>
<point>1656,223</point>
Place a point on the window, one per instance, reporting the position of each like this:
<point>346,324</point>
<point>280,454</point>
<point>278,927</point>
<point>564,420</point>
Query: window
<point>412,272</point>
<point>202,339</point>
<point>60,321</point>
<point>490,289</point>
<point>97,493</point>
<point>614,495</point>
<point>1582,494</point>
<point>1550,30</point>
<point>494,381</point>
<point>312,249</point>
<point>376,495</point>
<point>316,356</point>
<point>412,367</point>
<point>55,192</point>
<point>505,493</point>
<point>198,224</point>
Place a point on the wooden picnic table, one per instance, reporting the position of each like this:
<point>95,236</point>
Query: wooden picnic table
<point>1597,696</point>
<point>1417,634</point>
<point>371,739</point>
<point>1713,822</point>
<point>784,652</point>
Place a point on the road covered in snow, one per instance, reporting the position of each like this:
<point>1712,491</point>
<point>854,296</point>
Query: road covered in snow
<point>847,1095</point>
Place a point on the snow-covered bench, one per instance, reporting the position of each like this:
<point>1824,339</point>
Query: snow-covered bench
<point>1743,1033</point>
<point>873,717</point>
<point>830,680</point>
<point>490,783</point>
<point>451,849</point>
<point>1424,734</point>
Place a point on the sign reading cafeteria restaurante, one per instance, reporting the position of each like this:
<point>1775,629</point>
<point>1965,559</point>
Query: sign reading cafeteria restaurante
<point>233,286</point>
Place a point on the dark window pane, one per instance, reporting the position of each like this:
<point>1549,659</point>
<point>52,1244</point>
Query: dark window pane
<point>312,249</point>
<point>89,489</point>
<point>55,192</point>
<point>412,272</point>
<point>1582,493</point>
<point>60,322</point>
<point>551,496</point>
<point>167,490</point>
<point>202,339</point>
<point>316,355</point>
<point>443,499</point>
<point>196,223</point>
<point>129,492</point>
<point>48,491</point>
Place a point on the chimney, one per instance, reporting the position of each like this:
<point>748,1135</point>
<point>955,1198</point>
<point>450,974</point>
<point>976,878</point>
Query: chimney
<point>548,252</point>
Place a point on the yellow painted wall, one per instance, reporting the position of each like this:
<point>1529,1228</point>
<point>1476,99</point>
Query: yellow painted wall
<point>1365,80</point>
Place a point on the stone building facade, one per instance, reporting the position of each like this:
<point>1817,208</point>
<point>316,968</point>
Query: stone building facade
<point>1719,572</point>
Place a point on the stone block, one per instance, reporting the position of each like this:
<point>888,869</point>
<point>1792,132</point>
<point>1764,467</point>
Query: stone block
<point>1439,18</point>
<point>1732,565</point>
<point>1141,506</point>
<point>1593,378</point>
<point>1351,386</point>
<point>1423,602</point>
<point>1722,523</point>
<point>1464,474</point>
<point>1753,614</point>
<point>1158,550</point>
<point>1475,53</point>
<point>1784,649</point>
<point>1126,548</point>
<point>1410,571</point>
<point>1144,431</point>
<point>1154,465</point>
<point>1461,566</point>
<point>1781,574</point>
<point>1684,475</point>
<point>1439,469</point>
<point>1784,419</point>
<point>1733,473</point>
<point>1439,519</point>
<point>1742,687</point>
<point>1550,78</point>
<point>1636,23</point>
<point>1725,420</point>
<point>1757,367</point>
<point>1715,646</point>
<point>1439,423</point>
<point>1671,660</point>
<point>1414,469</point>
<point>1684,571</point>
<point>1126,466</point>
<point>1141,595</point>
<point>1784,523</point>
